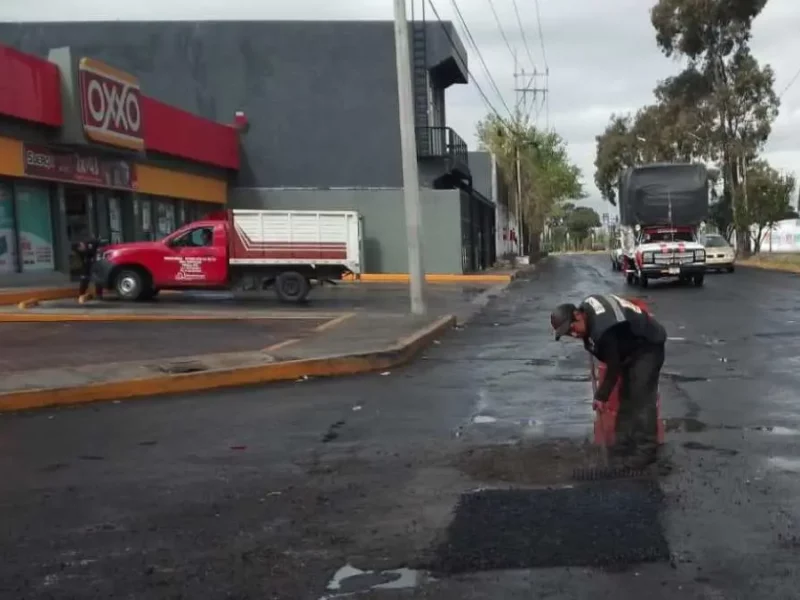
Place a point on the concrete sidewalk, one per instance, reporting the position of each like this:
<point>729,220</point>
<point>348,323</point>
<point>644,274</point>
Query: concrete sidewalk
<point>376,334</point>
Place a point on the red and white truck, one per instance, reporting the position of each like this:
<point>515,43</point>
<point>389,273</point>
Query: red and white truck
<point>283,249</point>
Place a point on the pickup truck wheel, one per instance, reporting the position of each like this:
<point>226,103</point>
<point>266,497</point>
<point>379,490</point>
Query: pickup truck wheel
<point>129,285</point>
<point>291,286</point>
<point>629,278</point>
<point>699,280</point>
<point>730,269</point>
<point>643,280</point>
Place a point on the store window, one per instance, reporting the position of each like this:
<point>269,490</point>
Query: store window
<point>35,227</point>
<point>8,235</point>
<point>147,220</point>
<point>115,219</point>
<point>165,220</point>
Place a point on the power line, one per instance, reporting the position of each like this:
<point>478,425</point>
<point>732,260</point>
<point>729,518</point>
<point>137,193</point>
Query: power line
<point>541,37</point>
<point>453,45</point>
<point>477,50</point>
<point>546,66</point>
<point>790,84</point>
<point>500,27</point>
<point>524,37</point>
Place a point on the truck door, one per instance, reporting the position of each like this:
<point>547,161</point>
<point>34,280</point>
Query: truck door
<point>198,257</point>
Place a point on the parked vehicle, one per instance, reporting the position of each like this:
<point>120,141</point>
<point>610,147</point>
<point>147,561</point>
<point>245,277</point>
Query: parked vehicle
<point>287,250</point>
<point>663,208</point>
<point>720,255</point>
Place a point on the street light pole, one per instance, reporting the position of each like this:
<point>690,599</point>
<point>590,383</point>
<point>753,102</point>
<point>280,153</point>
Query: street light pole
<point>408,146</point>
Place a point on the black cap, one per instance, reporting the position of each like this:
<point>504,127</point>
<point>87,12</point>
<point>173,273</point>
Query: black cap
<point>561,319</point>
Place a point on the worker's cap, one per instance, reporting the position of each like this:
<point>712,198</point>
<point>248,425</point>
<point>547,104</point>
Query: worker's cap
<point>561,319</point>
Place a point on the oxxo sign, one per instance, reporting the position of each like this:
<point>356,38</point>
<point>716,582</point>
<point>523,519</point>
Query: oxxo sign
<point>111,105</point>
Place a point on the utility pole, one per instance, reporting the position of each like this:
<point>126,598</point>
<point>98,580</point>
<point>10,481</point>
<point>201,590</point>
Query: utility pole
<point>408,144</point>
<point>529,87</point>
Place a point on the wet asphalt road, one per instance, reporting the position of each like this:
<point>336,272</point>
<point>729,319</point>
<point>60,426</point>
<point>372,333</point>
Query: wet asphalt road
<point>267,492</point>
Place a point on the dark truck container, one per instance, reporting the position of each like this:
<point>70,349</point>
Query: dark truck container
<point>664,194</point>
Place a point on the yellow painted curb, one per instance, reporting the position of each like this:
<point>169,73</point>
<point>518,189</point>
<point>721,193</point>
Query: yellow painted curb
<point>431,278</point>
<point>327,366</point>
<point>32,317</point>
<point>10,297</point>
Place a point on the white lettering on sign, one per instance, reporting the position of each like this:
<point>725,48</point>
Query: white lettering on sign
<point>37,159</point>
<point>596,305</point>
<point>114,104</point>
<point>627,304</point>
<point>190,267</point>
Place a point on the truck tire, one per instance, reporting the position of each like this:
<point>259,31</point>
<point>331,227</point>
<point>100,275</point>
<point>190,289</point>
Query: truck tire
<point>731,269</point>
<point>643,280</point>
<point>292,287</point>
<point>630,278</point>
<point>699,280</point>
<point>129,285</point>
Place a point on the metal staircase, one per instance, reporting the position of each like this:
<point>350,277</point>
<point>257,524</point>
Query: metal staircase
<point>419,57</point>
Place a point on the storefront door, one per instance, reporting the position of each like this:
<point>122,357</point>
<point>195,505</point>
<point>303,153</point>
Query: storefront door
<point>78,207</point>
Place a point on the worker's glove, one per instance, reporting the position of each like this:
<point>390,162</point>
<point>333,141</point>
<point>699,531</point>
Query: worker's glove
<point>598,406</point>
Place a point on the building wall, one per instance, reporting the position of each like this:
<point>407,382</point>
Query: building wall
<point>383,212</point>
<point>321,97</point>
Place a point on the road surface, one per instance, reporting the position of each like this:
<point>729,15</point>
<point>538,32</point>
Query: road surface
<point>451,479</point>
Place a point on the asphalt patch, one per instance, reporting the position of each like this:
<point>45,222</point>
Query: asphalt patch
<point>541,463</point>
<point>607,524</point>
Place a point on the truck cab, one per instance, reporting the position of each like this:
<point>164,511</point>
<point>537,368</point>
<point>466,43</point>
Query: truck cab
<point>666,252</point>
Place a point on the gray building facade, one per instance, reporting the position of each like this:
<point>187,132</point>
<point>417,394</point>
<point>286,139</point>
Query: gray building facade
<point>321,102</point>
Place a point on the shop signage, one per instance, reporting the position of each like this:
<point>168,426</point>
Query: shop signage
<point>111,106</point>
<point>73,167</point>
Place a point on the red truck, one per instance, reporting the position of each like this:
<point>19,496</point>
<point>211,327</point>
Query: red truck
<point>284,249</point>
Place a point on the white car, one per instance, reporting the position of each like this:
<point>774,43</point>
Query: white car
<point>720,255</point>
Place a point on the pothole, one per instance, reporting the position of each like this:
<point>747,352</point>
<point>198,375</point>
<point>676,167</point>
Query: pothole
<point>684,424</point>
<point>542,463</point>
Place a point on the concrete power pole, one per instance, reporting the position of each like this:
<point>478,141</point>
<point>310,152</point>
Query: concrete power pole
<point>408,143</point>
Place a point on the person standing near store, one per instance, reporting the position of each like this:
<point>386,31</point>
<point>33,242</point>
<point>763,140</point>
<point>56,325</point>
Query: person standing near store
<point>87,254</point>
<point>631,344</point>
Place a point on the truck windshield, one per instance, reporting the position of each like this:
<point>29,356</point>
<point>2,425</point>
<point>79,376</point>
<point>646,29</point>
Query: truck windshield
<point>715,241</point>
<point>668,236</point>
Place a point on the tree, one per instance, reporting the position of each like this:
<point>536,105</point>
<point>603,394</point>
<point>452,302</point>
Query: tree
<point>770,195</point>
<point>580,222</point>
<point>725,87</point>
<point>547,175</point>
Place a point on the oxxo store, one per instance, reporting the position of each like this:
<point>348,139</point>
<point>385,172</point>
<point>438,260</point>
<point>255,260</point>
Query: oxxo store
<point>85,154</point>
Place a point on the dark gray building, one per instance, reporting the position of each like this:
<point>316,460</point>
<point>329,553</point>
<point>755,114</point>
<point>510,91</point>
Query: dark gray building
<point>321,101</point>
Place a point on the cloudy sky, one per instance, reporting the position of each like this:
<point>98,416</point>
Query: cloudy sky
<point>601,54</point>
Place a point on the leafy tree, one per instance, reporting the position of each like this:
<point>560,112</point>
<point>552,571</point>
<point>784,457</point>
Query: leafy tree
<point>729,96</point>
<point>548,176</point>
<point>769,194</point>
<point>580,222</point>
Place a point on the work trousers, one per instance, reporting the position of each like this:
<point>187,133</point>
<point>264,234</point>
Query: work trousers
<point>637,419</point>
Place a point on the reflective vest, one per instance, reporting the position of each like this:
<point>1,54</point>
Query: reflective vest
<point>606,311</point>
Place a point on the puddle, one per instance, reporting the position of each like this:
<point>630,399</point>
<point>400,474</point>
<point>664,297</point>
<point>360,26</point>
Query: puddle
<point>349,580</point>
<point>778,430</point>
<point>676,339</point>
<point>785,463</point>
<point>483,419</point>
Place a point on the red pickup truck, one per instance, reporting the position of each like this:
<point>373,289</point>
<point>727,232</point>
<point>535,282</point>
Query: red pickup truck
<point>287,250</point>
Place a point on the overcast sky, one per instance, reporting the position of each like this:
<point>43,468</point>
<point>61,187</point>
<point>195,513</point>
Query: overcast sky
<point>601,54</point>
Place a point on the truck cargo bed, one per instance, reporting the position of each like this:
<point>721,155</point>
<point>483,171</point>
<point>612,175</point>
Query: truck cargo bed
<point>664,194</point>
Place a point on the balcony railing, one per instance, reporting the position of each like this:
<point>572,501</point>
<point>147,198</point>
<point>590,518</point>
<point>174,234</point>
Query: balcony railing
<point>443,142</point>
